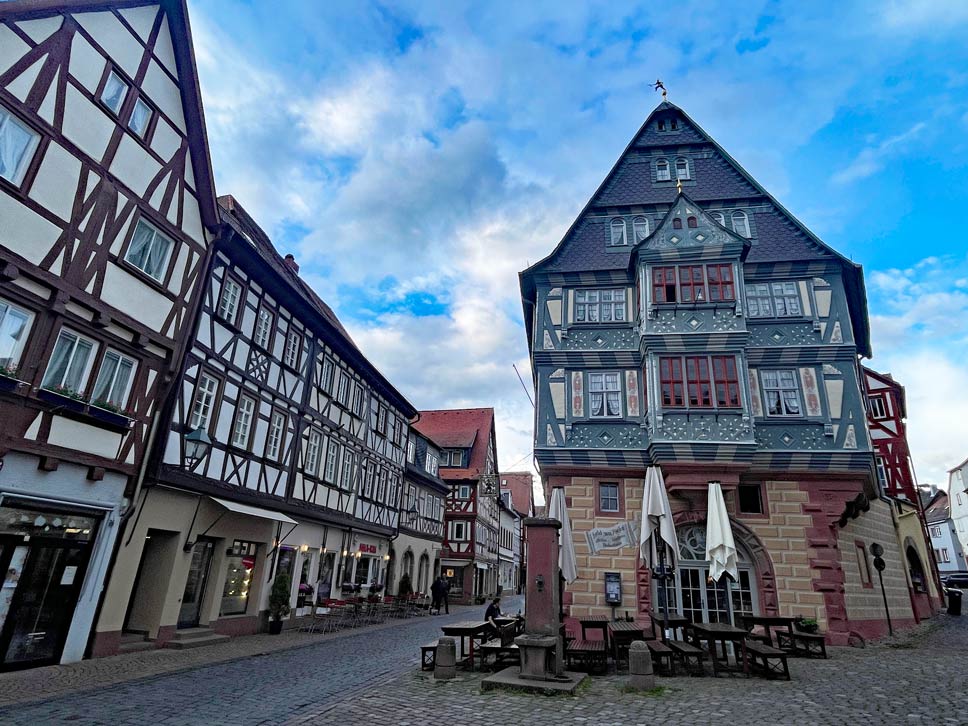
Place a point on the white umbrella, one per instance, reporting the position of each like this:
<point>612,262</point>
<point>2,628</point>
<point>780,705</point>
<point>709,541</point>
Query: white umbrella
<point>658,545</point>
<point>720,545</point>
<point>566,545</point>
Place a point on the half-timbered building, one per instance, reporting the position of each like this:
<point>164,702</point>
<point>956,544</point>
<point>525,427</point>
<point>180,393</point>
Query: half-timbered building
<point>688,321</point>
<point>468,463</point>
<point>106,209</point>
<point>302,475</point>
<point>519,486</point>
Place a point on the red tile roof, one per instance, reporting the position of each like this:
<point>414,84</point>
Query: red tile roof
<point>460,428</point>
<point>521,486</point>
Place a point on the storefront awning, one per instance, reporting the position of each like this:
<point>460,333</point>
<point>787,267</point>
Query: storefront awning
<point>253,511</point>
<point>454,563</point>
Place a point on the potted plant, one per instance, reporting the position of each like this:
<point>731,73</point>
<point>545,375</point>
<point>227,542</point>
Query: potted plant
<point>63,396</point>
<point>279,602</point>
<point>8,378</point>
<point>807,625</point>
<point>109,413</point>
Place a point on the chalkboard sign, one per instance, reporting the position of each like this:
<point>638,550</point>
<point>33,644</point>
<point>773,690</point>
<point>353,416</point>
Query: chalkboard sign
<point>613,588</point>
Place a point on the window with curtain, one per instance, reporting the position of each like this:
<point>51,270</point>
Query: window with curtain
<point>140,118</point>
<point>70,362</point>
<point>114,93</point>
<point>204,402</point>
<point>781,392</point>
<point>640,228</point>
<point>605,393</point>
<point>14,325</point>
<point>17,146</point>
<point>149,250</point>
<point>113,381</point>
<point>617,238</point>
<point>277,431</point>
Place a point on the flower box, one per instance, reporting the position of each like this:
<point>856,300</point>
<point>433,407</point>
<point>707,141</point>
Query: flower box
<point>110,417</point>
<point>9,384</point>
<point>59,399</point>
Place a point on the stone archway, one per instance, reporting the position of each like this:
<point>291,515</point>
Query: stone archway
<point>917,576</point>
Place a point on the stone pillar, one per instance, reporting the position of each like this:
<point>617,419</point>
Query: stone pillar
<point>540,646</point>
<point>640,666</point>
<point>445,661</point>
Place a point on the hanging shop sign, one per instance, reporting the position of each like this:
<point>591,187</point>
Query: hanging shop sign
<point>368,549</point>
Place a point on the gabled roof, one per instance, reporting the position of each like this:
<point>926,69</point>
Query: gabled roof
<point>181,39</point>
<point>960,466</point>
<point>936,509</point>
<point>461,424</point>
<point>521,486</point>
<point>780,237</point>
<point>887,380</point>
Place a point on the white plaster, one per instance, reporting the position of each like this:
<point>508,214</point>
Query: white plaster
<point>126,292</point>
<point>46,110</point>
<point>123,48</point>
<point>25,232</point>
<point>86,125</point>
<point>22,84</point>
<point>164,51</point>
<point>554,311</point>
<point>83,437</point>
<point>56,181</point>
<point>164,93</point>
<point>823,330</point>
<point>141,19</point>
<point>835,395</point>
<point>192,219</point>
<point>836,335</point>
<point>40,30</point>
<point>80,311</point>
<point>118,242</point>
<point>178,273</point>
<point>33,287</point>
<point>823,302</point>
<point>12,48</point>
<point>134,166</point>
<point>190,170</point>
<point>166,141</point>
<point>119,332</point>
<point>158,196</point>
<point>87,65</point>
<point>558,398</point>
<point>34,428</point>
<point>216,459</point>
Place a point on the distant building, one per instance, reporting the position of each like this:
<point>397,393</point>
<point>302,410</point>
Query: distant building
<point>509,545</point>
<point>948,551</point>
<point>519,487</point>
<point>958,501</point>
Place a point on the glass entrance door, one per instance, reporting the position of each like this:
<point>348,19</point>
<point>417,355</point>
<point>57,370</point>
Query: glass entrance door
<point>188,616</point>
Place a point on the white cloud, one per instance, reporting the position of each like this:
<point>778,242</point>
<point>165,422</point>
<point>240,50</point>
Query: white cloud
<point>872,159</point>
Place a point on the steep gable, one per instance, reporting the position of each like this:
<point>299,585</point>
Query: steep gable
<point>473,425</point>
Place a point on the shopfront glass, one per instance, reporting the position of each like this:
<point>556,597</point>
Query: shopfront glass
<point>238,577</point>
<point>363,575</point>
<point>324,581</point>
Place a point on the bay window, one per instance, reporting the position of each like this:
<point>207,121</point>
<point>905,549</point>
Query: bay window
<point>605,395</point>
<point>693,284</point>
<point>600,306</point>
<point>699,381</point>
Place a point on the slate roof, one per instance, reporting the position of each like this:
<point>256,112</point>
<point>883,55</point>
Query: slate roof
<point>460,424</point>
<point>521,486</point>
<point>939,510</point>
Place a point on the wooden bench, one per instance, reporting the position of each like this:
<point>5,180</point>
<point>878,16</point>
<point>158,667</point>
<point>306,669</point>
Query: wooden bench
<point>590,653</point>
<point>501,647</point>
<point>770,661</point>
<point>807,645</point>
<point>428,656</point>
<point>689,655</point>
<point>661,656</point>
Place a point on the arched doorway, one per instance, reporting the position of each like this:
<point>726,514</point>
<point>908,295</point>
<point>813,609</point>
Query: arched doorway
<point>406,566</point>
<point>693,593</point>
<point>423,577</point>
<point>920,597</point>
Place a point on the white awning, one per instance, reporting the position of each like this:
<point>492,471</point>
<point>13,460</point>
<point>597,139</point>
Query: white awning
<point>454,563</point>
<point>253,511</point>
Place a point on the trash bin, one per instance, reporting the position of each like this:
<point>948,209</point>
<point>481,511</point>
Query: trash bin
<point>954,601</point>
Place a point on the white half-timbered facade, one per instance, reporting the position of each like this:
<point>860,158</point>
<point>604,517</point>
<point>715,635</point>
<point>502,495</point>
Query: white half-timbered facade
<point>106,212</point>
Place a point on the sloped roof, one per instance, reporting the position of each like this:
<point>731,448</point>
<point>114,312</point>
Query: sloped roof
<point>521,486</point>
<point>937,510</point>
<point>460,424</point>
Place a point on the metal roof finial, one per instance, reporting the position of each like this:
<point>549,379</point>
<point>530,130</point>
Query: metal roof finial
<point>658,85</point>
<point>679,186</point>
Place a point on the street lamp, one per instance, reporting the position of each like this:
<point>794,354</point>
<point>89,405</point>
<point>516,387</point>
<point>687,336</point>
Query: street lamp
<point>411,515</point>
<point>197,443</point>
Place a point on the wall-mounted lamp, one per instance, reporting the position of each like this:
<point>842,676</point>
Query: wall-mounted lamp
<point>197,443</point>
<point>304,548</point>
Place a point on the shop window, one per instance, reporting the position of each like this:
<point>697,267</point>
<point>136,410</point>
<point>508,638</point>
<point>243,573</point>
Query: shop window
<point>750,499</point>
<point>241,562</point>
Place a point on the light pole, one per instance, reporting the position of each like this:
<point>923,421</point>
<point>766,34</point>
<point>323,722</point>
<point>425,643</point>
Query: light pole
<point>879,565</point>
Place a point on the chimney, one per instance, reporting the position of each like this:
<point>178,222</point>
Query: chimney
<point>292,264</point>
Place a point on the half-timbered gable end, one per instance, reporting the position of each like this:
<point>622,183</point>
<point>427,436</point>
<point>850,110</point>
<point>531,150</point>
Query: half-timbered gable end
<point>886,411</point>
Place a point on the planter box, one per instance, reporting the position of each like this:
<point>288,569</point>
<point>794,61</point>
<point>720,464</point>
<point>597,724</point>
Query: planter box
<point>110,417</point>
<point>9,385</point>
<point>71,404</point>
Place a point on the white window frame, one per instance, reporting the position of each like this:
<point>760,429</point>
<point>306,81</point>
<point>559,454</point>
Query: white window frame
<point>331,468</point>
<point>878,406</point>
<point>591,305</point>
<point>682,162</point>
<point>15,311</point>
<point>116,110</point>
<point>84,377</point>
<point>411,451</point>
<point>26,154</point>
<point>277,434</point>
<point>203,402</point>
<point>608,385</point>
<point>741,223</point>
<point>640,229</point>
<point>432,464</point>
<point>262,335</point>
<point>602,498</point>
<point>346,474</point>
<point>464,491</point>
<point>313,446</point>
<point>229,297</point>
<point>122,400</point>
<point>291,354</point>
<point>359,400</point>
<point>246,410</point>
<point>617,233</point>
<point>782,389</point>
<point>142,132</point>
<point>327,376</point>
<point>343,388</point>
<point>155,238</point>
<point>662,170</point>
<point>779,299</point>
<point>881,467</point>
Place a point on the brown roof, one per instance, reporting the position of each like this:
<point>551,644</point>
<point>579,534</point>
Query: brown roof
<point>470,425</point>
<point>521,486</point>
<point>938,510</point>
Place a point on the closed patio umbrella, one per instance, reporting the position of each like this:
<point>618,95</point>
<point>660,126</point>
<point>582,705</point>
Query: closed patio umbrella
<point>658,545</point>
<point>720,545</point>
<point>566,545</point>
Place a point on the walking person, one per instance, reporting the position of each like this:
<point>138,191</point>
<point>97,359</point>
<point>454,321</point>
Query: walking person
<point>436,594</point>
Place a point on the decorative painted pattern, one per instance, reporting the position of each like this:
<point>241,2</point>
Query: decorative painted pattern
<point>632,393</point>
<point>811,394</point>
<point>577,394</point>
<point>600,339</point>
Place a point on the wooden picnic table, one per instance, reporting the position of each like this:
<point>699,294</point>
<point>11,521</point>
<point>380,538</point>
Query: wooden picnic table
<point>677,621</point>
<point>722,633</point>
<point>470,630</point>
<point>594,622</point>
<point>770,621</point>
<point>622,634</point>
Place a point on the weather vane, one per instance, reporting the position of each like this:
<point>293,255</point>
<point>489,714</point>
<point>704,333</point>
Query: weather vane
<point>659,85</point>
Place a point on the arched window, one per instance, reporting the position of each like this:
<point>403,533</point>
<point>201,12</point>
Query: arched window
<point>640,228</point>
<point>677,223</point>
<point>718,216</point>
<point>682,169</point>
<point>741,223</point>
<point>692,222</point>
<point>423,577</point>
<point>662,170</point>
<point>617,237</point>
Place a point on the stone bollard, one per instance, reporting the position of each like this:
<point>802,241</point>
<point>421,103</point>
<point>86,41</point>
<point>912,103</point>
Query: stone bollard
<point>640,667</point>
<point>445,660</point>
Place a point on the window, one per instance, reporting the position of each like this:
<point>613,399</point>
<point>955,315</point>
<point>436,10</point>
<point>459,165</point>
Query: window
<point>456,458</point>
<point>263,328</point>
<point>332,461</point>
<point>359,400</point>
<point>114,92</point>
<point>741,223</point>
<point>719,279</point>
<point>14,324</point>
<point>460,530</point>
<point>750,498</point>
<point>878,406</point>
<point>660,125</point>
<point>699,381</point>
<point>781,392</point>
<point>411,451</point>
<point>293,349</point>
<point>673,124</point>
<point>312,452</point>
<point>464,491</point>
<point>140,118</point>
<point>693,284</point>
<point>863,564</point>
<point>381,420</point>
<point>640,229</point>
<point>936,531</point>
<point>664,284</point>
<point>242,428</point>
<point>692,222</point>
<point>608,497</point>
<point>718,216</point>
<point>881,472</point>
<point>763,299</point>
<point>605,393</point>
<point>149,250</point>
<point>346,480</point>
<point>17,145</point>
<point>944,555</point>
<point>617,229</point>
<point>662,170</point>
<point>113,380</point>
<point>205,392</point>
<point>277,431</point>
<point>228,300</point>
<point>70,362</point>
<point>431,465</point>
<point>682,169</point>
<point>343,388</point>
<point>677,223</point>
<point>599,306</point>
<point>329,371</point>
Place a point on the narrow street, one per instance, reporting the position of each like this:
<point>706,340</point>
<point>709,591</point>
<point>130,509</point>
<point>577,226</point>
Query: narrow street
<point>272,688</point>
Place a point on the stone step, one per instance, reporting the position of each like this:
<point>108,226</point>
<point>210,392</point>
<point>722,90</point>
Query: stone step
<point>136,646</point>
<point>133,636</point>
<point>195,638</point>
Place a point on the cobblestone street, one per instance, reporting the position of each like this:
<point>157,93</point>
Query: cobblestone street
<point>372,677</point>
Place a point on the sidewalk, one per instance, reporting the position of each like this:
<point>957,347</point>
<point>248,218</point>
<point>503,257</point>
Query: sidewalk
<point>49,682</point>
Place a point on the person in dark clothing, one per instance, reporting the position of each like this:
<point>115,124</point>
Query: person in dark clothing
<point>439,591</point>
<point>494,611</point>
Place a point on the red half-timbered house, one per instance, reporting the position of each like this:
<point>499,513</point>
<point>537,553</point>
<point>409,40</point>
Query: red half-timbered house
<point>106,211</point>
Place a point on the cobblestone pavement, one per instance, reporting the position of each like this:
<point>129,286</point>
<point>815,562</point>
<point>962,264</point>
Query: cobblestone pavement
<point>372,677</point>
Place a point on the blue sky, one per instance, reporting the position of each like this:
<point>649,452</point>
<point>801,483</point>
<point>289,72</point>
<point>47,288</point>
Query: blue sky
<point>416,156</point>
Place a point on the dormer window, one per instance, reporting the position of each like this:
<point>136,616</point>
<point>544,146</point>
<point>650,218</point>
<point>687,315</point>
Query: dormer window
<point>662,170</point>
<point>677,223</point>
<point>718,216</point>
<point>692,222</point>
<point>640,228</point>
<point>617,238</point>
<point>741,224</point>
<point>661,125</point>
<point>682,169</point>
<point>673,124</point>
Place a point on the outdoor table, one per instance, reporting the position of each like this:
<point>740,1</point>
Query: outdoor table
<point>723,633</point>
<point>770,621</point>
<point>676,621</point>
<point>623,634</point>
<point>470,630</point>
<point>594,622</point>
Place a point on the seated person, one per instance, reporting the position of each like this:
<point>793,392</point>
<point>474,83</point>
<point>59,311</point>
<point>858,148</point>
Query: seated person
<point>493,611</point>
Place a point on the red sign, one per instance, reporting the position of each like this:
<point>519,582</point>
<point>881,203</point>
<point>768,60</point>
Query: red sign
<point>248,561</point>
<point>368,548</point>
